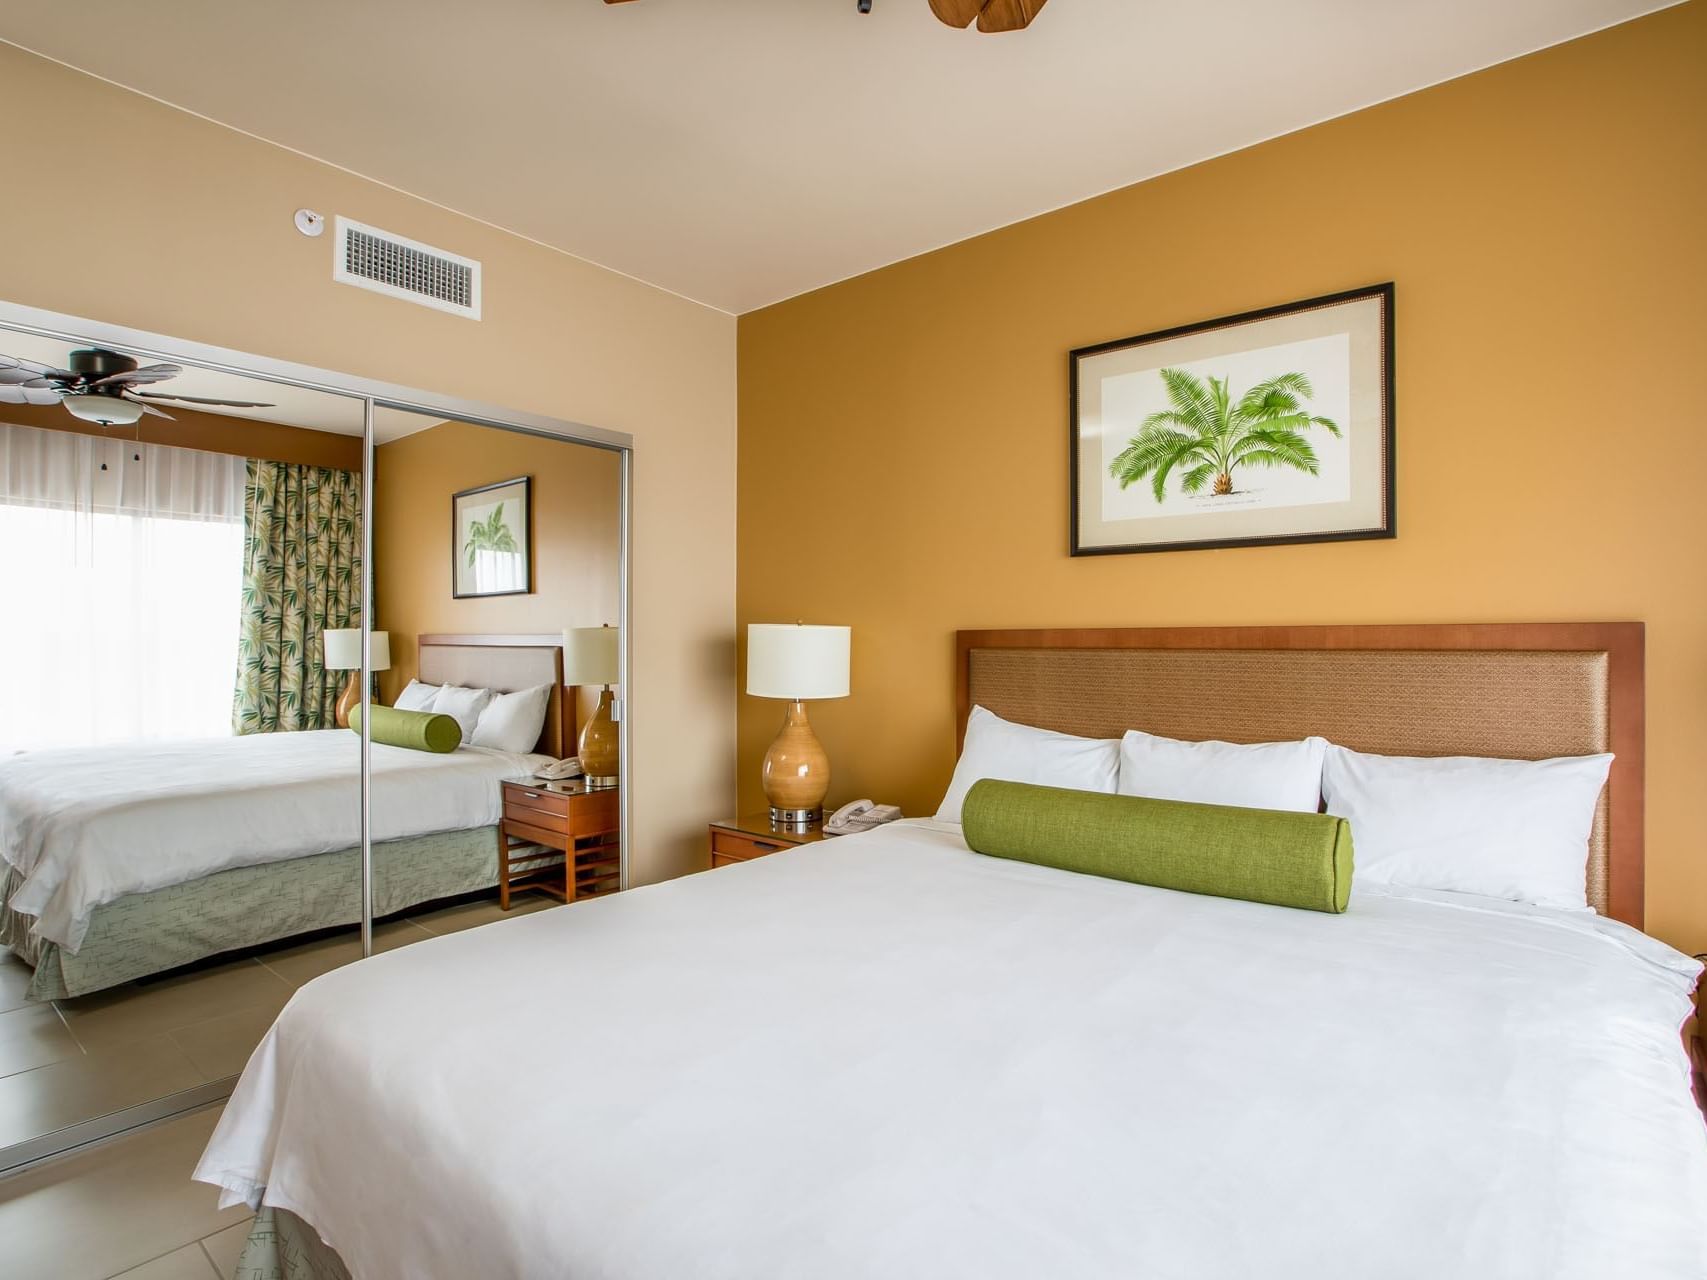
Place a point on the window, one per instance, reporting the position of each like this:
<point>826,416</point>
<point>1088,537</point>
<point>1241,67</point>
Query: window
<point>122,571</point>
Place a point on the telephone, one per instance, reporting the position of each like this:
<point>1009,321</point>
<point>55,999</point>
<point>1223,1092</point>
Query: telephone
<point>860,815</point>
<point>559,771</point>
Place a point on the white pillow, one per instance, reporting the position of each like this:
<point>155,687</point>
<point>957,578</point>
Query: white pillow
<point>462,705</point>
<point>512,721</point>
<point>1264,775</point>
<point>1515,829</point>
<point>416,696</point>
<point>996,748</point>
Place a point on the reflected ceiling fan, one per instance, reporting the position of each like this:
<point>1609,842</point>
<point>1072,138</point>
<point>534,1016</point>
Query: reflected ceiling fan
<point>100,386</point>
<point>991,15</point>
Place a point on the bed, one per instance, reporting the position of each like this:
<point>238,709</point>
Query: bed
<point>124,862</point>
<point>885,1055</point>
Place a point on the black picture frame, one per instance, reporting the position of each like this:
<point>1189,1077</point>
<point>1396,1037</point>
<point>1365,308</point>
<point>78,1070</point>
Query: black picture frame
<point>1386,527</point>
<point>459,551</point>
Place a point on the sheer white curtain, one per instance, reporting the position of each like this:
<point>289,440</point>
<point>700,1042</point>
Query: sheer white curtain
<point>120,586</point>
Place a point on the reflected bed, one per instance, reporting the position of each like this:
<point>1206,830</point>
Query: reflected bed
<point>124,862</point>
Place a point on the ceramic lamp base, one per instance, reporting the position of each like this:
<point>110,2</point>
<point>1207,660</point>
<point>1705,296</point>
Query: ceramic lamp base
<point>600,751</point>
<point>797,771</point>
<point>348,699</point>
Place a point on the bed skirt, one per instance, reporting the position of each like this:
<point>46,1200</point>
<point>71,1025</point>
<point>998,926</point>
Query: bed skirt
<point>281,1246</point>
<point>146,933</point>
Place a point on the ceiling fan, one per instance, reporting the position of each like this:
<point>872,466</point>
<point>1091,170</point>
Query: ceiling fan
<point>991,15</point>
<point>100,387</point>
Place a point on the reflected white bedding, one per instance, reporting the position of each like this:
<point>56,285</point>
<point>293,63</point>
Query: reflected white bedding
<point>89,825</point>
<point>886,1056</point>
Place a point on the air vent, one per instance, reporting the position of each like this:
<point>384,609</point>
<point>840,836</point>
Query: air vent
<point>373,259</point>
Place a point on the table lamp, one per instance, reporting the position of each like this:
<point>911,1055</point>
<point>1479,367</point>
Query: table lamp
<point>344,653</point>
<point>592,655</point>
<point>796,663</point>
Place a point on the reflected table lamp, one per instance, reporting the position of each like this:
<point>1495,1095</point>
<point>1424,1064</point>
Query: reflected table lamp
<point>797,663</point>
<point>592,656</point>
<point>344,653</point>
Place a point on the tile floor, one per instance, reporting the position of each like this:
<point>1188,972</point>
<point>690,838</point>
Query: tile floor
<point>127,1208</point>
<point>78,1059</point>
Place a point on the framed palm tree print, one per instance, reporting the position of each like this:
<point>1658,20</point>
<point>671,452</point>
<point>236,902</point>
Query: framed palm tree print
<point>1268,427</point>
<point>491,545</point>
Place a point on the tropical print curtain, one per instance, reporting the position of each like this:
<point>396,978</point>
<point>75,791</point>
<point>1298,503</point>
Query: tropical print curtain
<point>301,575</point>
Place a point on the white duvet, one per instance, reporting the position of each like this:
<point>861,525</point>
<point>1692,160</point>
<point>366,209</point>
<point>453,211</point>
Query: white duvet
<point>89,825</point>
<point>885,1056</point>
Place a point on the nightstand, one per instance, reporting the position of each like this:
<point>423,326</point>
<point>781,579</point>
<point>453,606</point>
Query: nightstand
<point>754,835</point>
<point>559,838</point>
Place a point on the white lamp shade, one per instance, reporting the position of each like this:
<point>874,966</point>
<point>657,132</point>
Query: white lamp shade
<point>344,649</point>
<point>787,660</point>
<point>591,655</point>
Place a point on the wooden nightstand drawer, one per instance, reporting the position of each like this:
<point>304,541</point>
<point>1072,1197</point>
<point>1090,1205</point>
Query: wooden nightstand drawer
<point>728,846</point>
<point>528,803</point>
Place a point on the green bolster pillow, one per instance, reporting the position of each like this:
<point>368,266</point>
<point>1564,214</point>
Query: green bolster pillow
<point>1260,855</point>
<point>416,730</point>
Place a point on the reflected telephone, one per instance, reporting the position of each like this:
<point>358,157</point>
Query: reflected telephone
<point>559,771</point>
<point>859,815</point>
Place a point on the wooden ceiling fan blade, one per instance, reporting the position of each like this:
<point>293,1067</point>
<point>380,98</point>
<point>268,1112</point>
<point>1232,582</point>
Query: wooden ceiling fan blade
<point>153,373</point>
<point>148,408</point>
<point>957,13</point>
<point>229,404</point>
<point>12,364</point>
<point>1009,15</point>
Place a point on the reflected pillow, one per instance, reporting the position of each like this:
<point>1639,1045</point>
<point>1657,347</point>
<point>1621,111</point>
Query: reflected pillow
<point>462,705</point>
<point>998,748</point>
<point>414,730</point>
<point>512,721</point>
<point>416,697</point>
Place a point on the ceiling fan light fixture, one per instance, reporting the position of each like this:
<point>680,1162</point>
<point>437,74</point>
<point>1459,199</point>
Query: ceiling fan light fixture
<point>106,411</point>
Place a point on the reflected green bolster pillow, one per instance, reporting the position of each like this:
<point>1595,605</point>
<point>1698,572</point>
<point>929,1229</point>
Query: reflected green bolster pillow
<point>1260,855</point>
<point>417,730</point>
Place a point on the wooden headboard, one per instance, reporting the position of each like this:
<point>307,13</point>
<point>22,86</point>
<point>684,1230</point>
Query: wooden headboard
<point>506,663</point>
<point>1518,690</point>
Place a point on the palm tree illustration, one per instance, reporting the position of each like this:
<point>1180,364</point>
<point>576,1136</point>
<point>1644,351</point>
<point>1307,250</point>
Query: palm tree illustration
<point>490,534</point>
<point>1206,435</point>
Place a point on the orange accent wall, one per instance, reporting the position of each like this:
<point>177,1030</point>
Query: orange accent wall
<point>210,432</point>
<point>903,435</point>
<point>577,505</point>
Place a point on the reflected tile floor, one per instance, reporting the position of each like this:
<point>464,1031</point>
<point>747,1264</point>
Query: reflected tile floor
<point>78,1059</point>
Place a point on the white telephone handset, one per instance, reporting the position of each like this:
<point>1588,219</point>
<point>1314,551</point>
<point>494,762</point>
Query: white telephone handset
<point>560,771</point>
<point>860,815</point>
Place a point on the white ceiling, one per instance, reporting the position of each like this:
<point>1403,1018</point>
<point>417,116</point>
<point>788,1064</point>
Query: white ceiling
<point>742,151</point>
<point>291,406</point>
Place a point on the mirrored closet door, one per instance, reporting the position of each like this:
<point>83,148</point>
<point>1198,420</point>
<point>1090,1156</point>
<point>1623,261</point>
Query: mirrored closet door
<point>175,543</point>
<point>294,669</point>
<point>497,578</point>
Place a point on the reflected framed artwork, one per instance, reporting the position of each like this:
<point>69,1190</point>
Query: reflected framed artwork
<point>491,545</point>
<point>1273,426</point>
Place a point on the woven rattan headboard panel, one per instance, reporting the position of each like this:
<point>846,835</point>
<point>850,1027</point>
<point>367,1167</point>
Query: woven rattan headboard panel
<point>1528,691</point>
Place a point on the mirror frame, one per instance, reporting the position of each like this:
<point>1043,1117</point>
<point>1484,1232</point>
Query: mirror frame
<point>373,394</point>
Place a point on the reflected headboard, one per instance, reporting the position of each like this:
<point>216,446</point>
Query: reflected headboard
<point>1519,690</point>
<point>505,663</point>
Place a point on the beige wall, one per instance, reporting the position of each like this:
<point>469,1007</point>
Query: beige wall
<point>577,538</point>
<point>903,435</point>
<point>199,245</point>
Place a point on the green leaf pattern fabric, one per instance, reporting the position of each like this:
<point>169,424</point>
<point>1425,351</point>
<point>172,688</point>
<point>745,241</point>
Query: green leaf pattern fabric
<point>301,575</point>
